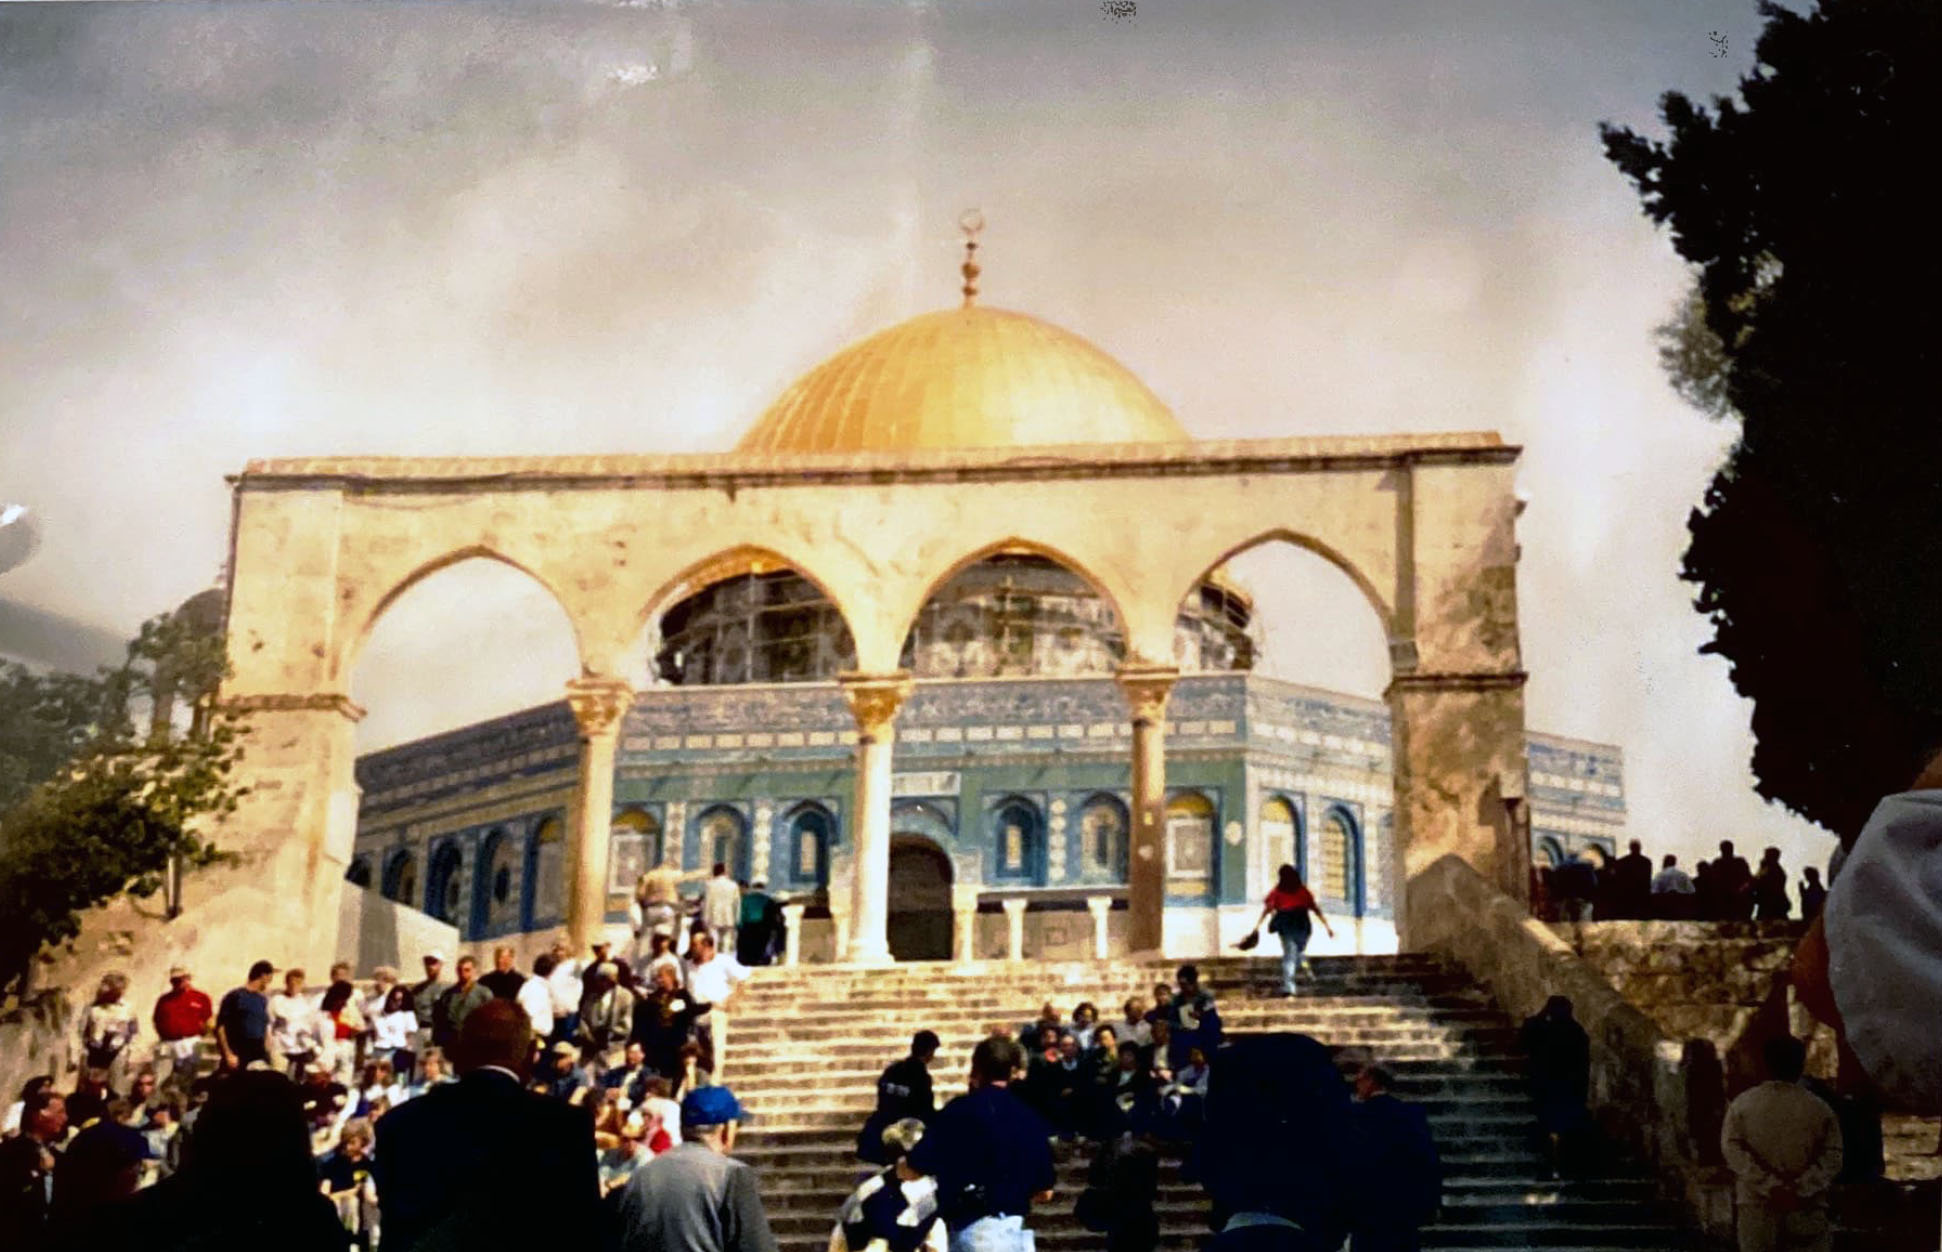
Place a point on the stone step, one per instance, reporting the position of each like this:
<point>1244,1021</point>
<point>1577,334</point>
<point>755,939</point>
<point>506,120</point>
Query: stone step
<point>857,1104</point>
<point>744,1035</point>
<point>784,1081</point>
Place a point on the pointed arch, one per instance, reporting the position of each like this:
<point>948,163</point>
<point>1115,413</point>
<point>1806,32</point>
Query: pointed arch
<point>727,564</point>
<point>1116,599</point>
<point>355,640</point>
<point>1385,611</point>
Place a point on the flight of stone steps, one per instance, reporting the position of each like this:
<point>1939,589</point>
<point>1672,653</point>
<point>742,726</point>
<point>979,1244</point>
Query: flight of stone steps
<point>807,1044</point>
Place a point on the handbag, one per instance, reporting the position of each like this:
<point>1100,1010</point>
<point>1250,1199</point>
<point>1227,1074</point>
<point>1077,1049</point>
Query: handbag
<point>1250,941</point>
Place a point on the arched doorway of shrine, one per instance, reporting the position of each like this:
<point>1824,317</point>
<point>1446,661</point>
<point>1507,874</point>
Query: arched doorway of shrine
<point>920,900</point>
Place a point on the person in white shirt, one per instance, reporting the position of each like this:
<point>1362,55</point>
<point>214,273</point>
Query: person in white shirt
<point>535,995</point>
<point>1784,1148</point>
<point>721,907</point>
<point>1135,1028</point>
<point>1673,893</point>
<point>293,1024</point>
<point>661,953</point>
<point>383,979</point>
<point>394,1030</point>
<point>566,988</point>
<point>713,977</point>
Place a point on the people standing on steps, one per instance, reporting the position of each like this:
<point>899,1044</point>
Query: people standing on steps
<point>1122,1183</point>
<point>721,906</point>
<point>243,1020</point>
<point>535,995</point>
<point>1770,903</point>
<point>1575,884</point>
<point>1784,1148</point>
<point>895,1209</point>
<point>425,994</point>
<point>565,985</point>
<point>904,1093</point>
<point>108,1025</point>
<point>713,977</point>
<point>663,1023</point>
<point>183,1015</point>
<point>1194,1018</point>
<point>1672,892</point>
<point>991,1156</point>
<point>1733,881</point>
<point>1558,1053</point>
<point>1813,896</point>
<point>504,980</point>
<point>459,1001</point>
<point>657,903</point>
<point>1286,911</point>
<point>1404,1173</point>
<point>27,1164</point>
<point>293,1025</point>
<point>696,1197</point>
<point>1631,884</point>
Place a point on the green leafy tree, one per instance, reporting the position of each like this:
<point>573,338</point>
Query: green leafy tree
<point>1804,206</point>
<point>107,782</point>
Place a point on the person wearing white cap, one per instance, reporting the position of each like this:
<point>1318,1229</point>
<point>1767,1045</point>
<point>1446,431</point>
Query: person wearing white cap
<point>183,1015</point>
<point>695,1197</point>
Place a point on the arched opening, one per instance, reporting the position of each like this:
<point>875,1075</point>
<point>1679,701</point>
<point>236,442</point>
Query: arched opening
<point>1281,842</point>
<point>496,889</point>
<point>1102,839</point>
<point>444,885</point>
<point>1017,842</point>
<point>920,900</point>
<point>635,844</point>
<point>463,673</point>
<point>359,872</point>
<point>1191,844</point>
<point>1549,853</point>
<point>1341,881</point>
<point>545,895</point>
<point>401,879</point>
<point>746,616</point>
<point>810,831</point>
<point>1015,609</point>
<point>723,834</point>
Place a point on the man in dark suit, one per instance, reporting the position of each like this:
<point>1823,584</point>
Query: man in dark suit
<point>1405,1177</point>
<point>484,1163</point>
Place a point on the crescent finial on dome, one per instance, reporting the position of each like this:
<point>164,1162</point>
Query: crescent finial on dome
<point>971,223</point>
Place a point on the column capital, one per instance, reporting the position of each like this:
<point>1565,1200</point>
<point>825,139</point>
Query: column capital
<point>1146,688</point>
<point>1098,905</point>
<point>598,704</point>
<point>1014,904</point>
<point>874,700</point>
<point>295,702</point>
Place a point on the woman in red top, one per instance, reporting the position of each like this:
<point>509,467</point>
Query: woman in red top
<point>1286,911</point>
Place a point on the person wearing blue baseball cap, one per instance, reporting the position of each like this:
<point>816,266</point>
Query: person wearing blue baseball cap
<point>695,1197</point>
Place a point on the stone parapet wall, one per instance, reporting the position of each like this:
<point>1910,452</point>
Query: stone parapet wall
<point>1648,1090</point>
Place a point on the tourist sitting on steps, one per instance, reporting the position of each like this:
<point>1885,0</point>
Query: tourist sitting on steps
<point>991,1156</point>
<point>903,1093</point>
<point>895,1209</point>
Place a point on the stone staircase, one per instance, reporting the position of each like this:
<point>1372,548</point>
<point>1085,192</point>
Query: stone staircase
<point>807,1043</point>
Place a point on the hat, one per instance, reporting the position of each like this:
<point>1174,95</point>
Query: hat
<point>564,1048</point>
<point>607,969</point>
<point>435,956</point>
<point>711,1106</point>
<point>179,971</point>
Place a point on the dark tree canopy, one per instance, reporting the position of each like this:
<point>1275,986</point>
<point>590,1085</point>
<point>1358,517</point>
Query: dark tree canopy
<point>1805,207</point>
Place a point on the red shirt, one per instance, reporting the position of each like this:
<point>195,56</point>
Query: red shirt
<point>182,1014</point>
<point>1281,901</point>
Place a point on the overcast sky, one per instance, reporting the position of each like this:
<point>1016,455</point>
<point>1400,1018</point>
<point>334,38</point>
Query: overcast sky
<point>262,230</point>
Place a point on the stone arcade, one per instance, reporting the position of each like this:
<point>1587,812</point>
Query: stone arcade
<point>936,465</point>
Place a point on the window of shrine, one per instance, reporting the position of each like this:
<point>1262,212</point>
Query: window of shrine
<point>1278,834</point>
<point>1017,828</point>
<point>1338,858</point>
<point>1102,836</point>
<point>1190,843</point>
<point>722,831</point>
<point>546,890</point>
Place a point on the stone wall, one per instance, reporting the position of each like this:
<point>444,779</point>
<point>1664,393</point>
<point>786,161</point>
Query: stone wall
<point>374,931</point>
<point>1650,1092</point>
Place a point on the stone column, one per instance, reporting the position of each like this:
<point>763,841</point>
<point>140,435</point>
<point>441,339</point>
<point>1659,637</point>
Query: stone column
<point>598,705</point>
<point>1458,753</point>
<point>1099,907</point>
<point>964,924</point>
<point>792,936</point>
<point>1015,928</point>
<point>874,700</point>
<point>1146,688</point>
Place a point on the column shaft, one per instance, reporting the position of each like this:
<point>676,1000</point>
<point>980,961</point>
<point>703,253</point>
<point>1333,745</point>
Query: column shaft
<point>598,704</point>
<point>874,701</point>
<point>1146,690</point>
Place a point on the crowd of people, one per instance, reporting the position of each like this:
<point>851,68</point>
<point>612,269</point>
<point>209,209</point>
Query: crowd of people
<point>623,1043</point>
<point>1126,1089</point>
<point>1724,889</point>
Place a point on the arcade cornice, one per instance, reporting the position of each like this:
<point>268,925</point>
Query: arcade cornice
<point>734,470</point>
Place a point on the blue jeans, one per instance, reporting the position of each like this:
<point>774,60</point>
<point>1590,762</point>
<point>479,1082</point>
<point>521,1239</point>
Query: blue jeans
<point>994,1234</point>
<point>1292,944</point>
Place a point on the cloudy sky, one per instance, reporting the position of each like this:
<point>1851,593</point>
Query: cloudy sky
<point>232,231</point>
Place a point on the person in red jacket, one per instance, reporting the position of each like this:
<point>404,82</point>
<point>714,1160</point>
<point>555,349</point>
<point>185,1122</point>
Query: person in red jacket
<point>1286,910</point>
<point>182,1018</point>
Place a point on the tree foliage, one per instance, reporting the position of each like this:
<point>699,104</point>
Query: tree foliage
<point>1804,207</point>
<point>105,781</point>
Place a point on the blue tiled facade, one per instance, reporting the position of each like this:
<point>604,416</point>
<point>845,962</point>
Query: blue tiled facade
<point>470,825</point>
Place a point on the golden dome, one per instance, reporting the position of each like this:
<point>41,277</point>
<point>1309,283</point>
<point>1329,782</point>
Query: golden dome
<point>964,378</point>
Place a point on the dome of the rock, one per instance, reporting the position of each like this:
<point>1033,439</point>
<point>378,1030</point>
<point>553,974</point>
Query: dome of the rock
<point>971,377</point>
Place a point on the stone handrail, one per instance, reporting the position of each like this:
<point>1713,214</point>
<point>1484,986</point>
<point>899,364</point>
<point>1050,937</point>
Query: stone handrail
<point>1643,1084</point>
